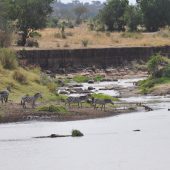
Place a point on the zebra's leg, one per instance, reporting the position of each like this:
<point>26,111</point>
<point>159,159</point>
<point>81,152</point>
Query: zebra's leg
<point>104,107</point>
<point>33,105</point>
<point>24,105</point>
<point>94,106</point>
<point>6,99</point>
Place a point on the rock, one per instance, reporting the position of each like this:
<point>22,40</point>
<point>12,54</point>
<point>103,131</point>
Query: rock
<point>63,92</point>
<point>91,82</point>
<point>168,109</point>
<point>137,130</point>
<point>91,88</point>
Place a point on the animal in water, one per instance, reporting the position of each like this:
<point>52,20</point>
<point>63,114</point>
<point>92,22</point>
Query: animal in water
<point>30,99</point>
<point>4,94</point>
<point>79,100</point>
<point>101,102</point>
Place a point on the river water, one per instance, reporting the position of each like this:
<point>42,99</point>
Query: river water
<point>109,143</point>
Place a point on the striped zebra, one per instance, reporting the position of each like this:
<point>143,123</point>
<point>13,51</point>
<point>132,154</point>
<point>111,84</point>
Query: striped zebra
<point>79,100</point>
<point>101,102</point>
<point>30,99</point>
<point>4,94</point>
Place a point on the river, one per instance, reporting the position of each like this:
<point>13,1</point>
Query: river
<point>109,143</point>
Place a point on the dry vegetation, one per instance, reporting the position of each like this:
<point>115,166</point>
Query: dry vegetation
<point>76,37</point>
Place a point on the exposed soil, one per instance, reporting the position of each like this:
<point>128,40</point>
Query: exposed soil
<point>15,113</point>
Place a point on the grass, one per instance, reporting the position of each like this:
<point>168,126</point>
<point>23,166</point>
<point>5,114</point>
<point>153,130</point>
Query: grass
<point>104,96</point>
<point>85,79</point>
<point>99,39</point>
<point>52,108</point>
<point>146,86</point>
<point>24,81</point>
<point>81,79</point>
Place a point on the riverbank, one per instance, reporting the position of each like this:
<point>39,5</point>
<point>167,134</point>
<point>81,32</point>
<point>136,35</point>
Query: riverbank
<point>15,113</point>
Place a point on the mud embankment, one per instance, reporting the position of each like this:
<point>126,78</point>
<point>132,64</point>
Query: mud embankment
<point>55,60</point>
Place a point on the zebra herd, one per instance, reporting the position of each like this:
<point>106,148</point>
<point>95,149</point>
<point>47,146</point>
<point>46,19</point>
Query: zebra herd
<point>70,100</point>
<point>88,98</point>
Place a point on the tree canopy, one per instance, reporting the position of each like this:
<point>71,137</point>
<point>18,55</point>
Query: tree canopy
<point>156,13</point>
<point>112,15</point>
<point>29,14</point>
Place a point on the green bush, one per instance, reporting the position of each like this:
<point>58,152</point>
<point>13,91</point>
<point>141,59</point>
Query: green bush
<point>53,109</point>
<point>98,78</point>
<point>76,133</point>
<point>8,59</point>
<point>20,77</point>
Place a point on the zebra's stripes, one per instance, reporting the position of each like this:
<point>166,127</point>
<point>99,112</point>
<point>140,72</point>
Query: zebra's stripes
<point>4,96</point>
<point>79,100</point>
<point>101,102</point>
<point>30,99</point>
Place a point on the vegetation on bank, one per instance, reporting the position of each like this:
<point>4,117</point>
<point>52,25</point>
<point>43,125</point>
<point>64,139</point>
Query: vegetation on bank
<point>53,109</point>
<point>104,96</point>
<point>23,80</point>
<point>159,70</point>
<point>85,79</point>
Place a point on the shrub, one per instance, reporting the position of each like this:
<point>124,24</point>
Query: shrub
<point>31,42</point>
<point>5,39</point>
<point>8,59</point>
<point>76,133</point>
<point>20,77</point>
<point>154,65</point>
<point>85,43</point>
<point>34,34</point>
<point>52,108</point>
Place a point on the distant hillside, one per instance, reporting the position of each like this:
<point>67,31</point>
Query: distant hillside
<point>66,11</point>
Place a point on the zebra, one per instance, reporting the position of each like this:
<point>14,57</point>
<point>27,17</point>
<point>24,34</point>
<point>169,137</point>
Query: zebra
<point>4,94</point>
<point>30,99</point>
<point>101,102</point>
<point>77,100</point>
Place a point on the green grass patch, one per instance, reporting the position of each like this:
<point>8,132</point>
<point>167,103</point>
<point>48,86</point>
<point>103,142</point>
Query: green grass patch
<point>146,85</point>
<point>53,109</point>
<point>81,79</point>
<point>104,96</point>
<point>98,78</point>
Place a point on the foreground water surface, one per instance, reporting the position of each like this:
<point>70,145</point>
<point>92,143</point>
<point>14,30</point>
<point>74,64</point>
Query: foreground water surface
<point>109,143</point>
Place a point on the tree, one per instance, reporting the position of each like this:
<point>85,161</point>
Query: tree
<point>113,14</point>
<point>133,17</point>
<point>156,13</point>
<point>30,14</point>
<point>154,65</point>
<point>79,12</point>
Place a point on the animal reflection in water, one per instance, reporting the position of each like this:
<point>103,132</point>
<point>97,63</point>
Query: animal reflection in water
<point>30,99</point>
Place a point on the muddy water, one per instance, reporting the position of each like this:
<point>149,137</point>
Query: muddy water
<point>108,144</point>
